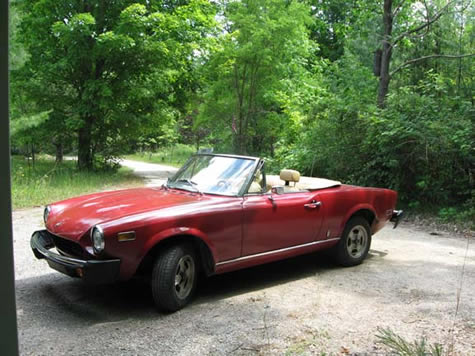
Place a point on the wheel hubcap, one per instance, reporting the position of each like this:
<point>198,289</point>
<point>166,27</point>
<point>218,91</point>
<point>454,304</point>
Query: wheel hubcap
<point>357,241</point>
<point>184,276</point>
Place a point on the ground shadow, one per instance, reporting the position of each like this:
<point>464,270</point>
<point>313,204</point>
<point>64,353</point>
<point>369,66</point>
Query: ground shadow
<point>264,276</point>
<point>70,299</point>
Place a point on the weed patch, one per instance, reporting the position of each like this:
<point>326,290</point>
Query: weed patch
<point>400,346</point>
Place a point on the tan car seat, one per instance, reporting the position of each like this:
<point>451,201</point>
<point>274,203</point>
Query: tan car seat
<point>290,175</point>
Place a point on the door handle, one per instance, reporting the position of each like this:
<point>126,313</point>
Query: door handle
<point>313,205</point>
<point>271,198</point>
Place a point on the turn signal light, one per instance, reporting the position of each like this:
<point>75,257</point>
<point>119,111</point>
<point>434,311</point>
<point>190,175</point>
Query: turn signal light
<point>126,236</point>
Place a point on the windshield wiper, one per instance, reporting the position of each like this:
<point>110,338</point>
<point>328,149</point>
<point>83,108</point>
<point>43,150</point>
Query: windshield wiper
<point>190,183</point>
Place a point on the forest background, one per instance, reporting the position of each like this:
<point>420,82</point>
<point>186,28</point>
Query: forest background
<point>374,93</point>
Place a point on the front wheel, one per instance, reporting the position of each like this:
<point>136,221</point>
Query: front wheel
<point>174,278</point>
<point>355,242</point>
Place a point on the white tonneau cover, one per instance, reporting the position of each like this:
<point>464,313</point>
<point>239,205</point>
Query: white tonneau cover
<point>305,183</point>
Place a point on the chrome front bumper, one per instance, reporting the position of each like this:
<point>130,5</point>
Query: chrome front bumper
<point>94,271</point>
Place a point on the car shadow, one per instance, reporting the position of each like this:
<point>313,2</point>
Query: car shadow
<point>74,302</point>
<point>263,276</point>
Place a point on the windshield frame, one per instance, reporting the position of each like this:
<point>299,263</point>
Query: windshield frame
<point>245,185</point>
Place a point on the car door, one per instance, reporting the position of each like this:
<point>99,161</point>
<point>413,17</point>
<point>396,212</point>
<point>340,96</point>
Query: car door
<point>276,221</point>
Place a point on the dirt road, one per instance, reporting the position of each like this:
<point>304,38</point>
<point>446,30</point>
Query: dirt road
<point>153,174</point>
<point>410,283</point>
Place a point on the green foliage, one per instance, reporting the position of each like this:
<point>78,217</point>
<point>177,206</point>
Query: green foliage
<point>289,80</point>
<point>331,139</point>
<point>257,75</point>
<point>401,346</point>
<point>426,143</point>
<point>421,144</point>
<point>113,69</point>
<point>337,21</point>
<point>16,53</point>
<point>24,125</point>
<point>448,214</point>
<point>463,214</point>
<point>49,181</point>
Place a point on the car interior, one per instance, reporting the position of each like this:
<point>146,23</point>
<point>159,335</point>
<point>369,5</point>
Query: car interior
<point>290,181</point>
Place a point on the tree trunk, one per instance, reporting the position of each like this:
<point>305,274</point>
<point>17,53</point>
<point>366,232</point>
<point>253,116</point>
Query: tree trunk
<point>85,145</point>
<point>240,135</point>
<point>377,62</point>
<point>459,74</point>
<point>386,53</point>
<point>59,152</point>
<point>33,154</point>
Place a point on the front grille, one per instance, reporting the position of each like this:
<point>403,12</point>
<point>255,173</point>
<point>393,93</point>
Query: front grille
<point>67,247</point>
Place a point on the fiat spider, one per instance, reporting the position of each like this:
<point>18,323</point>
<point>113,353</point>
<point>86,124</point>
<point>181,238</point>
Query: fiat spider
<point>218,213</point>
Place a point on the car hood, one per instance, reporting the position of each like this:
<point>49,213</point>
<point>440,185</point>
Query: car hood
<point>73,217</point>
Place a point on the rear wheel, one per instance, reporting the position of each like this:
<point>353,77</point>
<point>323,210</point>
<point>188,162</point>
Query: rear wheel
<point>174,277</point>
<point>355,242</point>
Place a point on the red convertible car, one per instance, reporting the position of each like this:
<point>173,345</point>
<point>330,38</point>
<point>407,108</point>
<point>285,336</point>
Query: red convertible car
<point>219,213</point>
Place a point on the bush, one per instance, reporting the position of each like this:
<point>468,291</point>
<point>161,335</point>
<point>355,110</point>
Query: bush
<point>421,145</point>
<point>424,142</point>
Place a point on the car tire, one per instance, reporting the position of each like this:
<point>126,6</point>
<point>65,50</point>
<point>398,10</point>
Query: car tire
<point>355,242</point>
<point>174,277</point>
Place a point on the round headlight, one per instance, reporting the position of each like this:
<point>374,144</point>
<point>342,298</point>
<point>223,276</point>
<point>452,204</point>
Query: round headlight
<point>97,238</point>
<point>46,213</point>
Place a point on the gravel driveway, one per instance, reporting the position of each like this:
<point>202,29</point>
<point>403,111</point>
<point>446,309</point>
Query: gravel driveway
<point>306,305</point>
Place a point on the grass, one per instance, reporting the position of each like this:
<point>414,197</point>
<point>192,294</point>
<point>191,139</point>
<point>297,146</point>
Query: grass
<point>49,182</point>
<point>311,343</point>
<point>400,346</point>
<point>173,156</point>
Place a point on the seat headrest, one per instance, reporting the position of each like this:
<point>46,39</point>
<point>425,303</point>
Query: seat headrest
<point>289,175</point>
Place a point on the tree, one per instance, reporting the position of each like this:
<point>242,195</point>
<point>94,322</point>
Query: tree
<point>16,52</point>
<point>256,71</point>
<point>332,21</point>
<point>413,27</point>
<point>107,69</point>
<point>23,131</point>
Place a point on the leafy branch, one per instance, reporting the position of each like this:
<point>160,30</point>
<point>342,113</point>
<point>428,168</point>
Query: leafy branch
<point>398,8</point>
<point>414,60</point>
<point>423,25</point>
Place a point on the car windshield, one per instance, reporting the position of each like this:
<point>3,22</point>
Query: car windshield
<point>213,174</point>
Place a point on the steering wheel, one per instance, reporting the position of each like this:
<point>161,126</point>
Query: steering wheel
<point>222,184</point>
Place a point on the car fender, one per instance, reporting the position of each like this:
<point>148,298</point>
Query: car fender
<point>176,232</point>
<point>353,210</point>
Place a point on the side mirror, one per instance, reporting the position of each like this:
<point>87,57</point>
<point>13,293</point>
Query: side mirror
<point>277,189</point>
<point>165,185</point>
